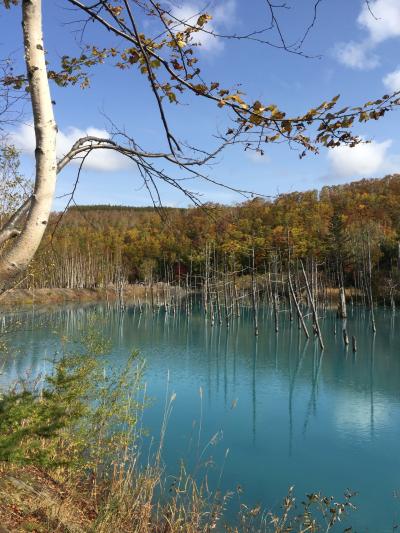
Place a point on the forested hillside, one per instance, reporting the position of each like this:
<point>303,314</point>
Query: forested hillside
<point>339,228</point>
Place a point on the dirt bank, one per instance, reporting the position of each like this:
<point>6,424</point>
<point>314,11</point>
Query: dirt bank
<point>30,500</point>
<point>15,297</point>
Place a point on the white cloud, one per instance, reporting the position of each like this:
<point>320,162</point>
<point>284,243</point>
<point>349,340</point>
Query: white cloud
<point>364,160</point>
<point>392,81</point>
<point>381,20</point>
<point>102,160</point>
<point>257,157</point>
<point>222,16</point>
<point>356,55</point>
<point>224,13</point>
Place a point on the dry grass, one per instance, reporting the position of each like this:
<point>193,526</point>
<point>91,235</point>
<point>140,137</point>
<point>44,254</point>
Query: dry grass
<point>32,500</point>
<point>60,296</point>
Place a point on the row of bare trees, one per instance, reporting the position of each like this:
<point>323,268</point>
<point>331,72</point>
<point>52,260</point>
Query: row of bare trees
<point>305,291</point>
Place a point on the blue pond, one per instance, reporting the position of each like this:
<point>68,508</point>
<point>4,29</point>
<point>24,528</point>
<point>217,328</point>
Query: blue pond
<point>268,412</point>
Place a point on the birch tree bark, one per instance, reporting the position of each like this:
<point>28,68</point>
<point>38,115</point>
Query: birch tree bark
<point>21,251</point>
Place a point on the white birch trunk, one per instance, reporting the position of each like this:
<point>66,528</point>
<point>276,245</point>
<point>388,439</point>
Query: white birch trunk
<point>342,303</point>
<point>21,251</point>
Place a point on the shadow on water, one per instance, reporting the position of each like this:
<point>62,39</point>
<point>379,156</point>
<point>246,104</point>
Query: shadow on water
<point>288,413</point>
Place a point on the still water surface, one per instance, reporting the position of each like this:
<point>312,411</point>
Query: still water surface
<point>288,414</point>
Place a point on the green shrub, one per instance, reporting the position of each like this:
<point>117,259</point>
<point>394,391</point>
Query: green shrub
<point>82,415</point>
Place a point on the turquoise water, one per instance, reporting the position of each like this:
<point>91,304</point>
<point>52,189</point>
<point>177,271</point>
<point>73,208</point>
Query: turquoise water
<point>274,411</point>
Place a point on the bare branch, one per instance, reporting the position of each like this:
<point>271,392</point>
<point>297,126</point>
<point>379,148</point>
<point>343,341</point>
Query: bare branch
<point>9,231</point>
<point>368,3</point>
<point>171,139</point>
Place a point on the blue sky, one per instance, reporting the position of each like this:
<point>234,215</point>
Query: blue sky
<point>359,59</point>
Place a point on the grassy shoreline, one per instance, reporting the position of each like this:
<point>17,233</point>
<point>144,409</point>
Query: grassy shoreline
<point>60,296</point>
<point>135,293</point>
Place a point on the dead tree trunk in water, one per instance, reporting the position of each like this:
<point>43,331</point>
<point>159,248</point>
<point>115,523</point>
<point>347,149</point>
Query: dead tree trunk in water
<point>342,309</point>
<point>276,297</point>
<point>254,296</point>
<point>296,303</point>
<point>314,311</point>
<point>369,288</point>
